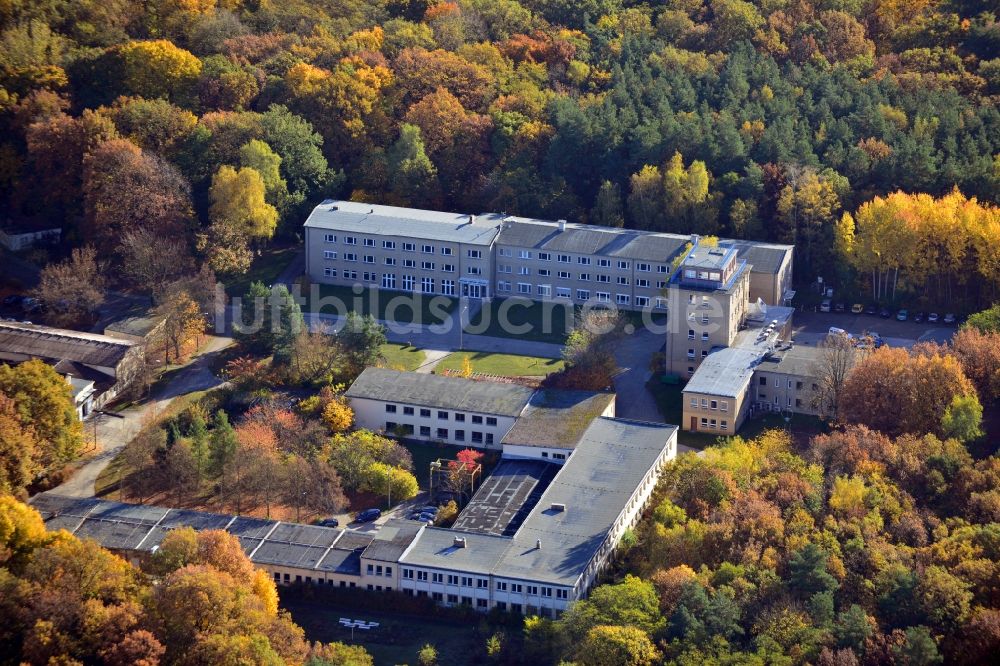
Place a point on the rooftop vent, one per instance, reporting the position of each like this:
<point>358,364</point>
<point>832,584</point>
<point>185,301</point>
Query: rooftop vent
<point>538,544</point>
<point>459,542</point>
<point>562,225</point>
<point>694,239</point>
<point>472,219</point>
<point>557,506</point>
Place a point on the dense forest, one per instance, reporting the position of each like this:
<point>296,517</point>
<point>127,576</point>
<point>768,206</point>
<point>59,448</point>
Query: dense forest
<point>211,125</point>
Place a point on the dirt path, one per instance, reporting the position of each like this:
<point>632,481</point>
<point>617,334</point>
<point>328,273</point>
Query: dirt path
<point>115,430</point>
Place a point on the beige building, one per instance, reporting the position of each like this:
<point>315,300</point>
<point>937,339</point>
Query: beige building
<point>717,398</point>
<point>487,255</point>
<point>708,297</point>
<point>787,380</point>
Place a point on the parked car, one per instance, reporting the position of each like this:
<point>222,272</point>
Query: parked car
<point>902,315</point>
<point>825,305</point>
<point>328,522</point>
<point>13,301</point>
<point>428,509</point>
<point>839,307</point>
<point>932,318</point>
<point>919,318</point>
<point>885,313</point>
<point>871,310</point>
<point>950,318</point>
<point>857,308</point>
<point>30,304</point>
<point>367,516</point>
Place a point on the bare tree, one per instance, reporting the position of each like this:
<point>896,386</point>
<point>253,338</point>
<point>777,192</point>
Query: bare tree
<point>837,356</point>
<point>151,262</point>
<point>73,289</point>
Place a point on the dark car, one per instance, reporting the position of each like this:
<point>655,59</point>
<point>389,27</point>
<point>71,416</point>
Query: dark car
<point>839,307</point>
<point>871,309</point>
<point>918,318</point>
<point>367,516</point>
<point>13,301</point>
<point>428,509</point>
<point>885,313</point>
<point>329,522</point>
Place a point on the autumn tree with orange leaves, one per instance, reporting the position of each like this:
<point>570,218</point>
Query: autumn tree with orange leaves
<point>897,391</point>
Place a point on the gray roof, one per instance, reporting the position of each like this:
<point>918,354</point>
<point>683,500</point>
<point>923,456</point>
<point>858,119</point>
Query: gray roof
<point>557,419</point>
<point>440,392</point>
<point>587,239</point>
<point>392,540</point>
<point>138,327</point>
<point>20,342</point>
<point>791,359</point>
<point>764,257</point>
<point>351,216</point>
<point>725,372</point>
<point>712,258</point>
<point>506,496</point>
<point>435,547</point>
<point>595,485</point>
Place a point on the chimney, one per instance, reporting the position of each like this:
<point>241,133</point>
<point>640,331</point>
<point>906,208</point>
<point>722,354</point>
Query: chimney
<point>538,544</point>
<point>557,506</point>
<point>694,239</point>
<point>562,225</point>
<point>472,219</point>
<point>459,542</point>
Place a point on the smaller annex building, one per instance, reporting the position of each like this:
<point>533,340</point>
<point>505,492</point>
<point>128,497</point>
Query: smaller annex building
<point>97,367</point>
<point>463,412</point>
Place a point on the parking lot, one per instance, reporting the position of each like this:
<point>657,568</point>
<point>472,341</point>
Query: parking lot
<point>810,328</point>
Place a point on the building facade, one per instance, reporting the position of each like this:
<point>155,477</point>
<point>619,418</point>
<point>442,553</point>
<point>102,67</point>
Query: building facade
<point>493,255</point>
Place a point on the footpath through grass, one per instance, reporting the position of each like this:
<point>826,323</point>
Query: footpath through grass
<point>265,268</point>
<point>402,307</point>
<point>508,365</point>
<point>403,357</point>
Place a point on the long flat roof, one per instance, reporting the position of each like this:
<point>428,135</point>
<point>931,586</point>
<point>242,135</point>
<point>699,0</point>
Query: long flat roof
<point>591,239</point>
<point>364,218</point>
<point>595,485</point>
<point>440,392</point>
<point>506,496</point>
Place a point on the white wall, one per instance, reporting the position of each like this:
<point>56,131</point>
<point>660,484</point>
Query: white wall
<point>372,415</point>
<point>547,454</point>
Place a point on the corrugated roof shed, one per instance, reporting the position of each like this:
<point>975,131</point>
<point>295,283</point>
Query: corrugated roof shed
<point>440,392</point>
<point>25,341</point>
<point>352,216</point>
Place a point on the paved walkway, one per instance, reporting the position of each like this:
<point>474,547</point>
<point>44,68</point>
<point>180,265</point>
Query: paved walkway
<point>431,358</point>
<point>633,355</point>
<point>115,430</point>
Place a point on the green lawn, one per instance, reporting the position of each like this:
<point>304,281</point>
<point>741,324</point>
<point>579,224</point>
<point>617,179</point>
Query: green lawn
<point>508,365</point>
<point>403,357</point>
<point>404,307</point>
<point>265,268</point>
<point>543,321</point>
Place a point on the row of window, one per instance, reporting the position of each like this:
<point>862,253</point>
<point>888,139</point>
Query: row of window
<point>712,425</point>
<point>714,276</point>
<point>442,415</point>
<point>407,247</point>
<point>483,583</point>
<point>762,397</point>
<point>506,269</point>
<point>545,291</point>
<point>777,383</point>
<point>379,570</point>
<point>722,406</point>
<point>583,261</point>
<point>407,263</point>
<point>407,429</point>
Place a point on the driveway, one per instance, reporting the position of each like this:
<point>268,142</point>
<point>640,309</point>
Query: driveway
<point>115,429</point>
<point>633,354</point>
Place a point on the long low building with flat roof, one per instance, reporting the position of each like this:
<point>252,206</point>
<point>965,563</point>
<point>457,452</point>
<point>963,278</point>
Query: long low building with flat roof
<point>534,538</point>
